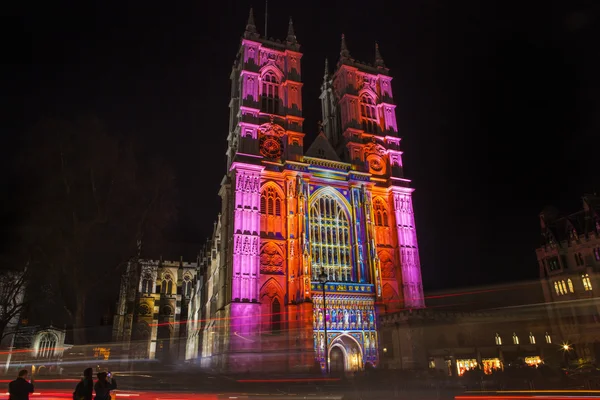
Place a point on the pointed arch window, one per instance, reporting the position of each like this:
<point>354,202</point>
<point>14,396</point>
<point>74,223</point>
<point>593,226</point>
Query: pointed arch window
<point>556,288</point>
<point>498,340</point>
<point>186,287</point>
<point>548,338</point>
<point>270,202</point>
<point>47,345</point>
<point>515,339</point>
<point>531,338</point>
<point>167,285</point>
<point>381,216</point>
<point>587,284</point>
<point>570,284</point>
<point>270,93</point>
<point>147,285</point>
<point>330,239</point>
<point>271,206</point>
<point>368,113</point>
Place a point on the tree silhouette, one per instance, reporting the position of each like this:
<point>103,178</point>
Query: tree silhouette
<point>13,286</point>
<point>90,199</point>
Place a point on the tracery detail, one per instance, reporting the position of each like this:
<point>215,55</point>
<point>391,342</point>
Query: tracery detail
<point>330,240</point>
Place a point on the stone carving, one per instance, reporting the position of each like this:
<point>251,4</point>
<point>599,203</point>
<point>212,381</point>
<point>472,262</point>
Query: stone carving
<point>271,259</point>
<point>247,183</point>
<point>246,248</point>
<point>270,289</point>
<point>237,246</point>
<point>271,129</point>
<point>375,148</point>
<point>387,265</point>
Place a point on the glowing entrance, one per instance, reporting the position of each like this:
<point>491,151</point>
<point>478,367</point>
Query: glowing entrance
<point>345,354</point>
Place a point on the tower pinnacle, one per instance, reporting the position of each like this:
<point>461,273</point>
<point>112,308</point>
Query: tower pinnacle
<point>344,53</point>
<point>378,59</point>
<point>291,36</point>
<point>250,26</point>
<point>326,74</point>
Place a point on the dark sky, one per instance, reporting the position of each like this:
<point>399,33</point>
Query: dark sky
<point>498,102</point>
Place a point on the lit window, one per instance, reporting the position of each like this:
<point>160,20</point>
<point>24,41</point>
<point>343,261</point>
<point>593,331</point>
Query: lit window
<point>498,340</point>
<point>270,94</point>
<point>563,286</point>
<point>330,239</point>
<point>369,114</point>
<point>515,339</point>
<point>531,338</point>
<point>587,284</point>
<point>570,283</point>
<point>556,288</point>
<point>47,345</point>
<point>548,338</point>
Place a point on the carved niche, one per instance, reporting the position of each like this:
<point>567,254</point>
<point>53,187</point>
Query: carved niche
<point>386,263</point>
<point>271,259</point>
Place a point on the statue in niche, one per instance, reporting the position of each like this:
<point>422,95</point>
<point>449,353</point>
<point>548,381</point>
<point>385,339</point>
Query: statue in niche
<point>340,318</point>
<point>322,340</point>
<point>333,317</point>
<point>346,320</point>
<point>320,319</point>
<point>358,318</point>
<point>367,344</point>
<point>352,319</point>
<point>371,318</point>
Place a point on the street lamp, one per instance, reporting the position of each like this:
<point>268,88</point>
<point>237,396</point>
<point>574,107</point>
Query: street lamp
<point>323,281</point>
<point>566,348</point>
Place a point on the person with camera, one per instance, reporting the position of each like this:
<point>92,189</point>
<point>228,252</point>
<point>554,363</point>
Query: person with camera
<point>105,383</point>
<point>20,388</point>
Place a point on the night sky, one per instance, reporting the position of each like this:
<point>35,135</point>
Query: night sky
<point>498,103</point>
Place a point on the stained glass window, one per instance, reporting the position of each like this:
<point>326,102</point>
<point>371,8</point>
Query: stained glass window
<point>330,240</point>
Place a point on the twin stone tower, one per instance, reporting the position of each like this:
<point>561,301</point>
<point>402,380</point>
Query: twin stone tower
<point>339,212</point>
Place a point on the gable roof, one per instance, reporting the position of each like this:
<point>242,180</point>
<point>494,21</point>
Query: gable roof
<point>322,148</point>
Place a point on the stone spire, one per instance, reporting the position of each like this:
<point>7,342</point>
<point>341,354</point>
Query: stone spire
<point>250,26</point>
<point>378,59</point>
<point>326,74</point>
<point>344,53</point>
<point>291,36</point>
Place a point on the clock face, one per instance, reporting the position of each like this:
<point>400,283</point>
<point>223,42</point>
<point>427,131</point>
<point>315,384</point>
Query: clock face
<point>270,147</point>
<point>144,309</point>
<point>376,165</point>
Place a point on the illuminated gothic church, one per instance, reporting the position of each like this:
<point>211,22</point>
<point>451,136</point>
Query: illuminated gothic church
<point>342,207</point>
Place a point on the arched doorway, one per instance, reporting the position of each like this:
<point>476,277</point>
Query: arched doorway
<point>345,354</point>
<point>337,360</point>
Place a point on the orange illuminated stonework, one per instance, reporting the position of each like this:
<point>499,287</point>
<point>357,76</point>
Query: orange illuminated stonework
<point>341,208</point>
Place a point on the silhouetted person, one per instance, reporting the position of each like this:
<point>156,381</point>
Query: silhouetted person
<point>20,388</point>
<point>85,387</point>
<point>104,385</point>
